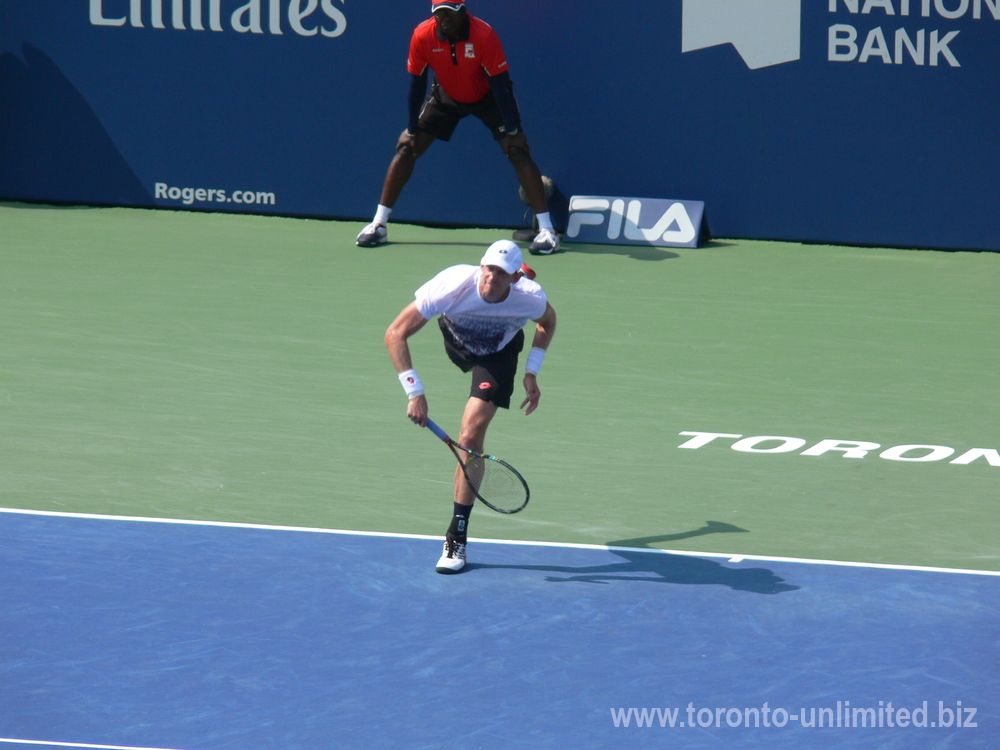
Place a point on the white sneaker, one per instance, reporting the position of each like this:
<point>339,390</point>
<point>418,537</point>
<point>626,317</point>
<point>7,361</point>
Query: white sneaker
<point>372,235</point>
<point>546,242</point>
<point>452,557</point>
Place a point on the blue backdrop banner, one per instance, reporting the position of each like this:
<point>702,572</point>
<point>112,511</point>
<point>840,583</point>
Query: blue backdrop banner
<point>846,121</point>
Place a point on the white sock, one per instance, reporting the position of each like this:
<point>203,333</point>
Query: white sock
<point>544,221</point>
<point>382,214</point>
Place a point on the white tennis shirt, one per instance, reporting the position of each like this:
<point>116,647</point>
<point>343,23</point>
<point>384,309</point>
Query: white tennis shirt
<point>481,327</point>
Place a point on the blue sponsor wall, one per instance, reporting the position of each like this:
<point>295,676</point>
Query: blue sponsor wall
<point>845,121</point>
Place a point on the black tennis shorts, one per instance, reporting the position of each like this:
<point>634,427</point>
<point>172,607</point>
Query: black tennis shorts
<point>492,374</point>
<point>440,114</point>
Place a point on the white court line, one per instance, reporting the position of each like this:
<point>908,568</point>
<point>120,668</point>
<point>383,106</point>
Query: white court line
<point>77,744</point>
<point>730,556</point>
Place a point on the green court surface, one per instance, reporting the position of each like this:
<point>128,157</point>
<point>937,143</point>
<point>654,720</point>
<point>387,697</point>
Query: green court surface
<point>231,368</point>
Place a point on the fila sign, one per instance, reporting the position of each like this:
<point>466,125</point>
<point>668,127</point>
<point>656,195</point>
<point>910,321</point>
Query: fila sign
<point>636,221</point>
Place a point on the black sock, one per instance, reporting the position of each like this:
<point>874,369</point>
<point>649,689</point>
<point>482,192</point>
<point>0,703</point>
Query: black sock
<point>460,522</point>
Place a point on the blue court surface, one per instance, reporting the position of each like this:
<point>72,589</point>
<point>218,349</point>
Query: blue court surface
<point>146,634</point>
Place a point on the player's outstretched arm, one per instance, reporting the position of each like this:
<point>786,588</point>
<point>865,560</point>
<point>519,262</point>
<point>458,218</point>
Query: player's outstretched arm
<point>532,393</point>
<point>407,323</point>
<point>545,329</point>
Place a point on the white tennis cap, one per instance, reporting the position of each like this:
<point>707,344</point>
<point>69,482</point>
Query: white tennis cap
<point>503,254</point>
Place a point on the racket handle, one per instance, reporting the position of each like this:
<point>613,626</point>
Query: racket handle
<point>437,430</point>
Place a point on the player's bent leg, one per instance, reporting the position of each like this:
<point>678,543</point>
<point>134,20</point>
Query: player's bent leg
<point>475,421</point>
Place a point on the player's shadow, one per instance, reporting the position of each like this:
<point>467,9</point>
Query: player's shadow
<point>645,563</point>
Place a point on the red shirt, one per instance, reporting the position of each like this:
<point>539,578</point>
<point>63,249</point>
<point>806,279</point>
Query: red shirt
<point>462,66</point>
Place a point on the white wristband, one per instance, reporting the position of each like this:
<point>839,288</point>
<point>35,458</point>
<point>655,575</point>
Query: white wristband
<point>411,383</point>
<point>535,358</point>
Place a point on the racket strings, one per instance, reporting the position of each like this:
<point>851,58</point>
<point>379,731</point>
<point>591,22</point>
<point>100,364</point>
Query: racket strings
<point>495,482</point>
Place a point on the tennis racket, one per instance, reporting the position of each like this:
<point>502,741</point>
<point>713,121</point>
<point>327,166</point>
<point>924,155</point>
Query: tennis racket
<point>495,482</point>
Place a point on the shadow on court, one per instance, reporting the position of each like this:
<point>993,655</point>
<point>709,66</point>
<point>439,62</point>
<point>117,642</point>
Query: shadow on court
<point>431,243</point>
<point>636,252</point>
<point>655,566</point>
<point>710,527</point>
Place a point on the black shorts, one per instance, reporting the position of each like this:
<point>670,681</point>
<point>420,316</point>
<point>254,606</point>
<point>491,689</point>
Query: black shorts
<point>492,374</point>
<point>440,114</point>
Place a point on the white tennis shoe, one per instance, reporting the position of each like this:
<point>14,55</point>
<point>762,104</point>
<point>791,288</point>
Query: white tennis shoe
<point>373,235</point>
<point>452,557</point>
<point>546,242</point>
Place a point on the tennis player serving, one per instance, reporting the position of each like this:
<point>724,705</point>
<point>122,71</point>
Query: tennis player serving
<point>481,311</point>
